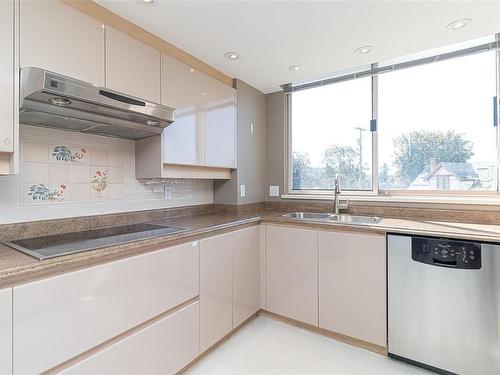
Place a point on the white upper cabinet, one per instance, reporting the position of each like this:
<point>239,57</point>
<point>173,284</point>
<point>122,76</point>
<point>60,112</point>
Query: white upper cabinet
<point>182,89</point>
<point>132,67</point>
<point>219,109</point>
<point>60,39</point>
<point>6,331</point>
<point>204,130</point>
<point>7,77</point>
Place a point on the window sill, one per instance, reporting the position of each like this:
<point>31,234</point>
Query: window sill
<point>490,200</point>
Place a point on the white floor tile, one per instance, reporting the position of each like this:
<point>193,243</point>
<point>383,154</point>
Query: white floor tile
<point>269,347</point>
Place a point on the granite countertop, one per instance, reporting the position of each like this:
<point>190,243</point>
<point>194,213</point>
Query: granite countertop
<point>17,268</point>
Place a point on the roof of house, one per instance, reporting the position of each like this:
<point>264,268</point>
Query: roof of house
<point>463,171</point>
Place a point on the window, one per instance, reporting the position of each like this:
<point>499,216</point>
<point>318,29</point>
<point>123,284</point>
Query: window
<point>331,135</point>
<point>435,128</point>
<point>437,119</point>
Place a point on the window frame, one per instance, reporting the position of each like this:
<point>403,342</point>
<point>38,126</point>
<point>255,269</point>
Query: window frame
<point>374,71</point>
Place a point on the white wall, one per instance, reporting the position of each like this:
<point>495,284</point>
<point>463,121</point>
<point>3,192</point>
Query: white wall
<point>69,180</point>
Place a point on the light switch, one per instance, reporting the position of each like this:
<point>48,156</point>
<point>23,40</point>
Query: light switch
<point>242,191</point>
<point>274,191</point>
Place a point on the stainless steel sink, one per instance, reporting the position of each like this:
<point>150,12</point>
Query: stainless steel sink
<point>332,218</point>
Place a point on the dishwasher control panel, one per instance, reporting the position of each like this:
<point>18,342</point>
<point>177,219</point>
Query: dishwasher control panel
<point>446,253</point>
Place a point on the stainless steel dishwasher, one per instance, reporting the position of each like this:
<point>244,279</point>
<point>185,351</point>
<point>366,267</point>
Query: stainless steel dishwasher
<point>444,304</point>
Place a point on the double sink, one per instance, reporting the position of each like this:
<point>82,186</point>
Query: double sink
<point>333,218</point>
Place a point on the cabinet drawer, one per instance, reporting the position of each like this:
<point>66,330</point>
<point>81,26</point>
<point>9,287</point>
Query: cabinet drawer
<point>162,348</point>
<point>61,317</point>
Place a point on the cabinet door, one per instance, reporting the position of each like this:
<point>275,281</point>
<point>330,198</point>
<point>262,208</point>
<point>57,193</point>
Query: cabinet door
<point>58,38</point>
<point>63,316</point>
<point>6,331</point>
<point>216,289</point>
<point>182,89</point>
<point>352,285</point>
<point>165,347</point>
<point>246,275</point>
<point>132,67</point>
<point>292,272</point>
<point>7,76</point>
<point>219,110</point>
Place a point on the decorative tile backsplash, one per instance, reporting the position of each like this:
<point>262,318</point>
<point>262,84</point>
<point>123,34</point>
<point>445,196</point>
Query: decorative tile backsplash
<point>64,173</point>
<point>67,174</point>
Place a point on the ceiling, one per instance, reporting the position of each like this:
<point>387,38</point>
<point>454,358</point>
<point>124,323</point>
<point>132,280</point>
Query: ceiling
<point>321,36</point>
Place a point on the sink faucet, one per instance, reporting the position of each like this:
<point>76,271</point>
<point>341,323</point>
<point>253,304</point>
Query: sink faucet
<point>336,202</point>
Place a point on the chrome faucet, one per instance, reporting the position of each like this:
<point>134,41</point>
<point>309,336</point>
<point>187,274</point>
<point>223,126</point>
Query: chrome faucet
<point>336,202</point>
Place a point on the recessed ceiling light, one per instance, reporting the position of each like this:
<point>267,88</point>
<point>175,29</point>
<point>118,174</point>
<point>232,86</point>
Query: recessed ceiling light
<point>458,24</point>
<point>232,55</point>
<point>148,2</point>
<point>296,68</point>
<point>191,70</point>
<point>363,50</point>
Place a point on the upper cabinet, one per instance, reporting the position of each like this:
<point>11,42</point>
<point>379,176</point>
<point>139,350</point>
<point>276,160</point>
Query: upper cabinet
<point>6,79</point>
<point>132,67</point>
<point>219,114</point>
<point>205,118</point>
<point>182,88</point>
<point>201,143</point>
<point>60,39</point>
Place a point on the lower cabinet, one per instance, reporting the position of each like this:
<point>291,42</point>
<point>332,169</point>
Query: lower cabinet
<point>63,316</point>
<point>165,347</point>
<point>6,331</point>
<point>229,283</point>
<point>246,275</point>
<point>352,285</point>
<point>292,272</point>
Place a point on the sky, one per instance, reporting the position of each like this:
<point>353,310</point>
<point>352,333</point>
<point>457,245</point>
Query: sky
<point>453,94</point>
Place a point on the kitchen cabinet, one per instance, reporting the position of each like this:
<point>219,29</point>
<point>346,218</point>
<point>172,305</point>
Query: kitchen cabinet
<point>229,283</point>
<point>8,89</point>
<point>164,347</point>
<point>292,272</point>
<point>6,331</point>
<point>62,316</point>
<point>63,40</point>
<point>132,67</point>
<point>219,112</point>
<point>201,143</point>
<point>183,88</point>
<point>216,289</point>
<point>246,275</point>
<point>352,285</point>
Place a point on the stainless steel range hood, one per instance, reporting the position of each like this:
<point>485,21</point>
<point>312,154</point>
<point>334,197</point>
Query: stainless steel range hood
<point>53,100</point>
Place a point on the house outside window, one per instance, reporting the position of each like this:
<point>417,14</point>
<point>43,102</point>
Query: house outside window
<point>412,127</point>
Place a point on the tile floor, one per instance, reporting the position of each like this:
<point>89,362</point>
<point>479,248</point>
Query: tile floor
<point>266,346</point>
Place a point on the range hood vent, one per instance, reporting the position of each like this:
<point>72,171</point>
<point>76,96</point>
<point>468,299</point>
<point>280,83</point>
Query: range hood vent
<point>56,101</point>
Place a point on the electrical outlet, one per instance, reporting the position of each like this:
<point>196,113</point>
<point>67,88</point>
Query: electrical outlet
<point>274,191</point>
<point>168,193</point>
<point>242,191</point>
